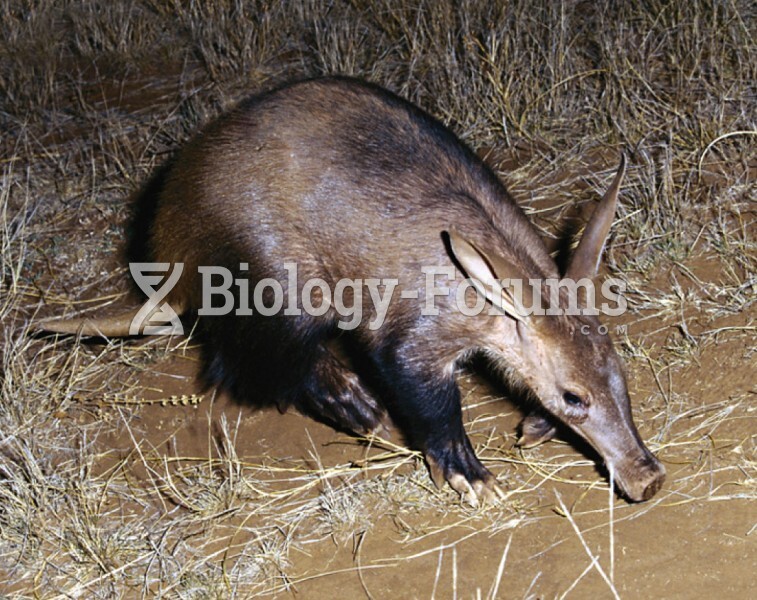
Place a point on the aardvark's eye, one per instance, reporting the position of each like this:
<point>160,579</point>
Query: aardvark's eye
<point>572,399</point>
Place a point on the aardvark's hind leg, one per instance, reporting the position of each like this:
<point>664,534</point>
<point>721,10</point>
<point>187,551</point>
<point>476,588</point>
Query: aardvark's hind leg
<point>334,392</point>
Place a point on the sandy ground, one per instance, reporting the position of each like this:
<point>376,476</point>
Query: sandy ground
<point>695,539</point>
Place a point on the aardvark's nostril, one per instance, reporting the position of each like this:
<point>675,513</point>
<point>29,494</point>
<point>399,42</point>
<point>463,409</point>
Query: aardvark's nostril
<point>653,487</point>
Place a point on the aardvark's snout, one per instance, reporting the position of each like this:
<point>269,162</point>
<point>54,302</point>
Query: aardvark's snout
<point>641,479</point>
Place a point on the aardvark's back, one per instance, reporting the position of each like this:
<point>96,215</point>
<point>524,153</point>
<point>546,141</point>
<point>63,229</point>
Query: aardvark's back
<point>340,176</point>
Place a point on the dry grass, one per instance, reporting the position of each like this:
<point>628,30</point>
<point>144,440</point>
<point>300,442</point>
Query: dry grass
<point>94,94</point>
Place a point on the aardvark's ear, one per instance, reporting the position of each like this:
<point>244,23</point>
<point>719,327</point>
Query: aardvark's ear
<point>585,260</point>
<point>488,273</point>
